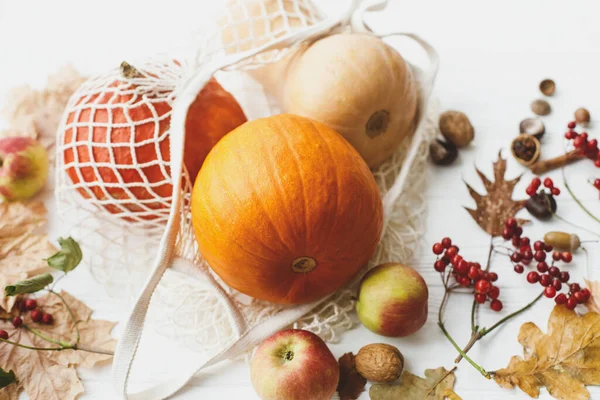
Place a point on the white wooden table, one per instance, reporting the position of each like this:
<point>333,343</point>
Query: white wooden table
<point>492,59</point>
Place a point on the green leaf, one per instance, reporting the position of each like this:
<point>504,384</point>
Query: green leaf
<point>6,378</point>
<point>30,285</point>
<point>69,256</point>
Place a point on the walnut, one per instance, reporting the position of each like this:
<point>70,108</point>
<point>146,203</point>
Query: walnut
<point>379,362</point>
<point>456,127</point>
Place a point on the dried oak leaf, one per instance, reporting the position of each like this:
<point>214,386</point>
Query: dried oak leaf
<point>593,303</point>
<point>497,206</point>
<point>22,250</point>
<point>564,360</point>
<point>434,386</point>
<point>351,384</point>
<point>51,375</point>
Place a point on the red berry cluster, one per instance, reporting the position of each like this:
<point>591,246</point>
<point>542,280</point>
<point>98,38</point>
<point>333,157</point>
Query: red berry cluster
<point>28,305</point>
<point>466,273</point>
<point>549,276</point>
<point>36,314</point>
<point>535,184</point>
<point>589,148</point>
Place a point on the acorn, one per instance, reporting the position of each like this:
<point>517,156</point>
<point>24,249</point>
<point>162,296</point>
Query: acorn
<point>562,241</point>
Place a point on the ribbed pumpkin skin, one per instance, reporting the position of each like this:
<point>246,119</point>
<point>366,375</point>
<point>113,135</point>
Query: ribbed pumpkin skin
<point>213,114</point>
<point>281,188</point>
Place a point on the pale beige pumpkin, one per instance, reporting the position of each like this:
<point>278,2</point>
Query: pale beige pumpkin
<point>359,86</point>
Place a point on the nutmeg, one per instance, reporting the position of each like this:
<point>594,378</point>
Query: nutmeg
<point>379,362</point>
<point>540,107</point>
<point>456,127</point>
<point>547,86</point>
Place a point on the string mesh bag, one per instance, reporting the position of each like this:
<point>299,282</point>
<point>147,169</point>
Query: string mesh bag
<point>129,243</point>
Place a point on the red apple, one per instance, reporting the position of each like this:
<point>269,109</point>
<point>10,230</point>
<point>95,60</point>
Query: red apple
<point>23,168</point>
<point>392,300</point>
<point>294,364</point>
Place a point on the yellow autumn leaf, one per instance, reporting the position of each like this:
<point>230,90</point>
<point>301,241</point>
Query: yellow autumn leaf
<point>564,360</point>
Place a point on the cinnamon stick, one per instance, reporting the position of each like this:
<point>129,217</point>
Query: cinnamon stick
<point>541,167</point>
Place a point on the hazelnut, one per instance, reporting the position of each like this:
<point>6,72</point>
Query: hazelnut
<point>532,126</point>
<point>442,152</point>
<point>456,127</point>
<point>379,362</point>
<point>540,107</point>
<point>547,87</point>
<point>582,117</point>
<point>526,149</point>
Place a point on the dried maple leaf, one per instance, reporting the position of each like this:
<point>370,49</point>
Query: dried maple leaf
<point>351,384</point>
<point>497,206</point>
<point>51,375</point>
<point>433,387</point>
<point>593,303</point>
<point>22,251</point>
<point>37,113</point>
<point>564,360</point>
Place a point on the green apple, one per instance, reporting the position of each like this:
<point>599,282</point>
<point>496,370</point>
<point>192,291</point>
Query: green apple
<point>392,300</point>
<point>294,364</point>
<point>23,168</point>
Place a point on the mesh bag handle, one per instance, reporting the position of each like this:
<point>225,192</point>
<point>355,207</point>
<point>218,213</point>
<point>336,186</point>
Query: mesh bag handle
<point>247,338</point>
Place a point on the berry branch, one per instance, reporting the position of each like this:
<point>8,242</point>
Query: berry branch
<point>65,260</point>
<point>450,264</point>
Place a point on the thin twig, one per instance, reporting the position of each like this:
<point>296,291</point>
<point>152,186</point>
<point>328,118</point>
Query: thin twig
<point>93,350</point>
<point>43,336</point>
<point>588,212</point>
<point>485,331</point>
<point>31,347</point>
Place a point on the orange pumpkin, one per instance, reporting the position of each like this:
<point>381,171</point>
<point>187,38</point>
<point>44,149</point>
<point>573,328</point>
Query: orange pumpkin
<point>286,210</point>
<point>134,138</point>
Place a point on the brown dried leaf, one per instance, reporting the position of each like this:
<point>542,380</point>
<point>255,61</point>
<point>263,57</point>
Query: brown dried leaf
<point>564,360</point>
<point>593,303</point>
<point>351,384</point>
<point>51,375</point>
<point>497,206</point>
<point>11,392</point>
<point>22,251</point>
<point>433,387</point>
<point>37,113</point>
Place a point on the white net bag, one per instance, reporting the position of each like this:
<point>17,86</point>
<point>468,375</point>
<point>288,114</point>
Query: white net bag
<point>132,228</point>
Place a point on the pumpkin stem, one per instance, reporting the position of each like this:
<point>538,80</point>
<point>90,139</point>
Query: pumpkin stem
<point>304,264</point>
<point>129,71</point>
<point>378,123</point>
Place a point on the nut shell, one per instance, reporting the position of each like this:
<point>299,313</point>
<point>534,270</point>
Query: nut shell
<point>379,362</point>
<point>456,127</point>
<point>540,107</point>
<point>582,117</point>
<point>547,87</point>
<point>526,149</point>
